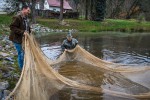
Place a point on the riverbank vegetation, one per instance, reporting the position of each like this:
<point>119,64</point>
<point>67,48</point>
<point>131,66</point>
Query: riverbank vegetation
<point>85,25</point>
<point>5,21</point>
<point>94,26</point>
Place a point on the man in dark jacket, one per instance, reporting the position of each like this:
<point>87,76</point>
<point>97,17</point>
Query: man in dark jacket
<point>69,43</point>
<point>20,27</point>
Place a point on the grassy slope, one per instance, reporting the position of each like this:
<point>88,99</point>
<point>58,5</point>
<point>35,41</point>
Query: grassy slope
<point>92,26</point>
<point>85,25</point>
<point>4,23</point>
<point>4,19</point>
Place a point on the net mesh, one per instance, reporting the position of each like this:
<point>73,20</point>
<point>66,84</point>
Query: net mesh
<point>39,81</point>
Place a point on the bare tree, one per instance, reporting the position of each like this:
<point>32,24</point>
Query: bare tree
<point>118,4</point>
<point>86,9</point>
<point>12,6</point>
<point>41,2</point>
<point>74,4</point>
<point>91,10</point>
<point>122,8</point>
<point>100,10</point>
<point>61,10</point>
<point>145,7</point>
<point>33,3</point>
<point>132,8</point>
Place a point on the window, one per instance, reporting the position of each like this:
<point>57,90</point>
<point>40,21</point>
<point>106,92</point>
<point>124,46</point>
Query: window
<point>54,9</point>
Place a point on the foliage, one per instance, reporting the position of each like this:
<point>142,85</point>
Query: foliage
<point>100,10</point>
<point>11,6</point>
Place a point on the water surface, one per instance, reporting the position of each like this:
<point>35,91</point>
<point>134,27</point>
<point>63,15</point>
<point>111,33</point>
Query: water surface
<point>125,48</point>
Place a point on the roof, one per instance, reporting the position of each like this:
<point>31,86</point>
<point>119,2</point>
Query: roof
<point>56,3</point>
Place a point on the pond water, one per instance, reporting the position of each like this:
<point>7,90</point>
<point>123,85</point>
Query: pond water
<point>124,48</point>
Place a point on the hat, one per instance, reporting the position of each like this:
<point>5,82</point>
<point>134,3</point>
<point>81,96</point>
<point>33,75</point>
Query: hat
<point>69,34</point>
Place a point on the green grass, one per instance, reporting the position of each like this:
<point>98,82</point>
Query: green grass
<point>86,25</point>
<point>5,21</point>
<point>92,26</point>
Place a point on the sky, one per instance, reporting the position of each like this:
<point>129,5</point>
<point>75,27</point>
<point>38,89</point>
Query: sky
<point>2,3</point>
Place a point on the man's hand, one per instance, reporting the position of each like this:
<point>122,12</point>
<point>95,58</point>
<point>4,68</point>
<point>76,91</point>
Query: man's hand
<point>25,33</point>
<point>66,49</point>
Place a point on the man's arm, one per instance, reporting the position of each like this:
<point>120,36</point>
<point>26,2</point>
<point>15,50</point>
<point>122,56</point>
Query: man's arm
<point>63,46</point>
<point>14,26</point>
<point>76,42</point>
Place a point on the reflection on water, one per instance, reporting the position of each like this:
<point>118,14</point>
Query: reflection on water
<point>52,52</point>
<point>124,49</point>
<point>132,58</point>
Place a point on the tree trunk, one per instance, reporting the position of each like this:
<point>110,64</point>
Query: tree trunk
<point>33,11</point>
<point>100,10</point>
<point>41,4</point>
<point>86,9</point>
<point>131,9</point>
<point>144,5</point>
<point>91,9</point>
<point>61,10</point>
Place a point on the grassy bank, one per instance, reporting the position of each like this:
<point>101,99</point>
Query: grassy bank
<point>92,26</point>
<point>85,25</point>
<point>5,21</point>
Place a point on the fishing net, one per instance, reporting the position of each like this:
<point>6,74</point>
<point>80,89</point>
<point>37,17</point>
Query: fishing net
<point>40,81</point>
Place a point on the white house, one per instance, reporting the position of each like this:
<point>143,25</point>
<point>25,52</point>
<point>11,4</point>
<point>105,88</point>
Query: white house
<point>54,5</point>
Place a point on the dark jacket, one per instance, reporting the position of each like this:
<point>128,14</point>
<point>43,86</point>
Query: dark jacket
<point>69,44</point>
<point>18,27</point>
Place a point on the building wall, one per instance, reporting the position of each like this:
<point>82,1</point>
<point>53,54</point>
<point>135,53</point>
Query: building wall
<point>37,6</point>
<point>56,9</point>
<point>46,5</point>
